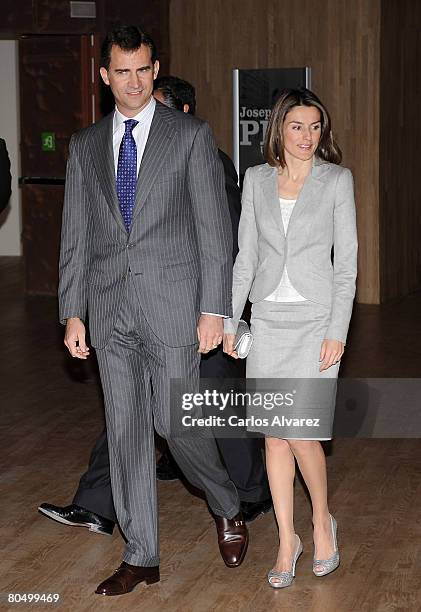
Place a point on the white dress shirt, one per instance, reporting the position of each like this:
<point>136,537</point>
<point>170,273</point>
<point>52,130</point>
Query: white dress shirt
<point>140,131</point>
<point>285,291</point>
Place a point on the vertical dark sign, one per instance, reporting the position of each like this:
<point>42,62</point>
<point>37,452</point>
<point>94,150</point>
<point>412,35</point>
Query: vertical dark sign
<point>254,94</point>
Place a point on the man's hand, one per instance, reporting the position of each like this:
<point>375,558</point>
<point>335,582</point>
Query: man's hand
<point>74,338</point>
<point>210,330</point>
<point>330,353</point>
<point>229,345</point>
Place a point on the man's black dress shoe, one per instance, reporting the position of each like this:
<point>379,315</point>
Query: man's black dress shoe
<point>251,510</point>
<point>78,517</point>
<point>166,468</point>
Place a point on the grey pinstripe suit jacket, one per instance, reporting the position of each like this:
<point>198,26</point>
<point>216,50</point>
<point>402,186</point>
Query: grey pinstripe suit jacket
<point>179,248</point>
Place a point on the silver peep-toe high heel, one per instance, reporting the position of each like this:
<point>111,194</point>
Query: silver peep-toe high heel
<point>284,579</point>
<point>330,564</point>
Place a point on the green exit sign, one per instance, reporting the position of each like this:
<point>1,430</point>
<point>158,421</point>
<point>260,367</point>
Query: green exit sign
<point>48,140</point>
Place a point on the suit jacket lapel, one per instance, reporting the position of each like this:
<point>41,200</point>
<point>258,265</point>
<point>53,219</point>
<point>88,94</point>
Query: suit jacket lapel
<point>271,197</point>
<point>161,133</point>
<point>310,191</point>
<point>308,195</point>
<point>101,145</point>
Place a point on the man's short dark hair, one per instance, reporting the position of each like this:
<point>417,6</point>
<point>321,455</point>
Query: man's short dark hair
<point>170,99</point>
<point>128,38</point>
<point>177,89</point>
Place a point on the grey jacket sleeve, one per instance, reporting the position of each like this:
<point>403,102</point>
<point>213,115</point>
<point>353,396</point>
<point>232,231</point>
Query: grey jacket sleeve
<point>76,236</point>
<point>246,262</point>
<point>345,248</point>
<point>213,224</point>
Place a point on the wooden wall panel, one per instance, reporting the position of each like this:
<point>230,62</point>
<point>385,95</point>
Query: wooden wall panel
<point>151,15</point>
<point>400,138</point>
<point>41,222</point>
<point>339,39</point>
<point>53,16</point>
<point>20,17</point>
<point>16,15</point>
<point>52,99</point>
<point>55,96</point>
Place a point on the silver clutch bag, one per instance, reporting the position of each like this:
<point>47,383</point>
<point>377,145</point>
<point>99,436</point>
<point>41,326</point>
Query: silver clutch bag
<point>243,339</point>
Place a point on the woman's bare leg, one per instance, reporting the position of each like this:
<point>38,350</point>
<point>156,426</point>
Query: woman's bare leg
<point>280,465</point>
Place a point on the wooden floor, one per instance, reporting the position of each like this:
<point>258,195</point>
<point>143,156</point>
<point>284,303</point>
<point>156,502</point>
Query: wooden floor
<point>51,414</point>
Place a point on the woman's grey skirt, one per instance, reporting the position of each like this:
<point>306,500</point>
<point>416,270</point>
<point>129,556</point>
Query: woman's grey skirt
<point>292,399</point>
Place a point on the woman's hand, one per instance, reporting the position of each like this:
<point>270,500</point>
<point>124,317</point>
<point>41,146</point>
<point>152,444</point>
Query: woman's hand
<point>330,353</point>
<point>228,346</point>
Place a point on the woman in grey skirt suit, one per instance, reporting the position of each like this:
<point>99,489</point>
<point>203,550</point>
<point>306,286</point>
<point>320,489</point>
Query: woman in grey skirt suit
<point>297,264</point>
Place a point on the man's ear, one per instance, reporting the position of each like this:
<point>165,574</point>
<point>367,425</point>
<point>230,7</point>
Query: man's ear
<point>104,75</point>
<point>155,69</point>
<point>186,108</point>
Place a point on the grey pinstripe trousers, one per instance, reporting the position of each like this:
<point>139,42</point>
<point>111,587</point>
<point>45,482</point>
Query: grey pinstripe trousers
<point>135,369</point>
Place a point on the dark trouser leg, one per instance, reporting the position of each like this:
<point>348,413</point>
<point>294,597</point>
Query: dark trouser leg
<point>244,462</point>
<point>94,490</point>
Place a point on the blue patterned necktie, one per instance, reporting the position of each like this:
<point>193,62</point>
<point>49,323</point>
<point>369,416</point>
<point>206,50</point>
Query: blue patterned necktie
<point>127,173</point>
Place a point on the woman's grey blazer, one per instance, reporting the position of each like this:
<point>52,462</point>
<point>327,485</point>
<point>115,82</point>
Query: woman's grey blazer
<point>323,217</point>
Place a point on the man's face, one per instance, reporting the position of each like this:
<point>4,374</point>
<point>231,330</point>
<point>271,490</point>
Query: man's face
<point>130,75</point>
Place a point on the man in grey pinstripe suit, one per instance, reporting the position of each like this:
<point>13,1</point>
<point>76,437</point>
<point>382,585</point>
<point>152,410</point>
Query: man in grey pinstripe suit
<point>154,275</point>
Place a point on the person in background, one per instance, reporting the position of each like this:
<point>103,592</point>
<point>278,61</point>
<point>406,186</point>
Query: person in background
<point>5,176</point>
<point>295,209</point>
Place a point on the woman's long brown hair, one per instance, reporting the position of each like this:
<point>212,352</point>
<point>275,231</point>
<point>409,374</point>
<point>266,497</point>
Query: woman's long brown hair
<point>327,148</point>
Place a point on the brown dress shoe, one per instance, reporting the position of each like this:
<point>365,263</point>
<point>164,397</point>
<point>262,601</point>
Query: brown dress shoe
<point>233,539</point>
<point>126,577</point>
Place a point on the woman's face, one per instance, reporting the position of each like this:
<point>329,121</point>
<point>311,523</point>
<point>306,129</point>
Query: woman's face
<point>301,132</point>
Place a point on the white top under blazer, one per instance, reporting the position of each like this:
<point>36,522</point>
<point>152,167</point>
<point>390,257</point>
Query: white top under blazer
<point>285,291</point>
